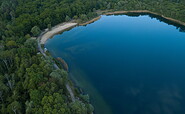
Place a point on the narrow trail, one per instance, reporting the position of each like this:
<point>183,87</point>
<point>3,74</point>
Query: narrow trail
<point>54,65</point>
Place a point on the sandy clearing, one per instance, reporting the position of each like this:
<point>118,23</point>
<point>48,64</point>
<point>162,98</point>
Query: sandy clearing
<point>55,30</point>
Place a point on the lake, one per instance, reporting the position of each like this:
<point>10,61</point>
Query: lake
<point>127,64</point>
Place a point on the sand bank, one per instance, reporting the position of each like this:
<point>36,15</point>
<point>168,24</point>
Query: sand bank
<point>55,30</point>
<point>59,28</point>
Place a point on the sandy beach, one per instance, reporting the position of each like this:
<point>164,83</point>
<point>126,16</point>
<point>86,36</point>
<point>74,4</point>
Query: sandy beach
<point>61,27</point>
<point>55,30</point>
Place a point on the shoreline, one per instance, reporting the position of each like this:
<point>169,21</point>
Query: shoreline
<point>62,27</point>
<point>145,11</point>
<point>91,21</point>
<point>47,34</point>
<point>56,30</point>
<point>67,25</point>
<point>63,63</point>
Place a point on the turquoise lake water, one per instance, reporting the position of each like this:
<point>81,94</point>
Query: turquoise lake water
<point>127,64</point>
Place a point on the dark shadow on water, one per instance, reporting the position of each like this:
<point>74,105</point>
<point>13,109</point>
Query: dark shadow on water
<point>178,26</point>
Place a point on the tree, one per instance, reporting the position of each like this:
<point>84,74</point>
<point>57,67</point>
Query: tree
<point>83,17</point>
<point>3,86</point>
<point>94,9</point>
<point>35,31</point>
<point>14,107</point>
<point>35,96</point>
<point>1,95</point>
<point>75,17</point>
<point>67,18</point>
<point>10,81</point>
<point>54,104</point>
<point>29,106</point>
<point>90,109</point>
<point>6,60</point>
<point>108,6</point>
<point>27,36</point>
<point>85,98</point>
<point>47,21</point>
<point>11,44</point>
<point>49,26</point>
<point>78,107</point>
<point>60,76</point>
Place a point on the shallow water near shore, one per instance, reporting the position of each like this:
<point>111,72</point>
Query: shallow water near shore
<point>127,64</point>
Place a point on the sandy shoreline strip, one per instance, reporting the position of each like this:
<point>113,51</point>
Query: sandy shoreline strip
<point>56,30</point>
<point>62,27</point>
<point>146,11</point>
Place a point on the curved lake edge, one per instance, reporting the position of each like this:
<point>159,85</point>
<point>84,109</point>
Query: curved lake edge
<point>168,20</point>
<point>147,12</point>
<point>74,23</point>
<point>171,21</point>
<point>91,21</point>
<point>56,30</point>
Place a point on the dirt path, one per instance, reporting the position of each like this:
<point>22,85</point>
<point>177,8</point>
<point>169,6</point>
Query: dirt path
<point>55,65</point>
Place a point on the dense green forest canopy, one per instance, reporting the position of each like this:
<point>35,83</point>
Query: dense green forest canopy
<point>28,81</point>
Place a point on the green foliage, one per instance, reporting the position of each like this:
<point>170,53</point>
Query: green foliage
<point>90,108</point>
<point>14,107</point>
<point>83,17</point>
<point>49,26</point>
<point>85,98</point>
<point>78,107</point>
<point>75,17</point>
<point>28,83</point>
<point>11,44</point>
<point>27,36</point>
<point>29,107</point>
<point>67,18</point>
<point>35,31</point>
<point>54,104</point>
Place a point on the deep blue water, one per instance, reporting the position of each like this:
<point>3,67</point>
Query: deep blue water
<point>128,65</point>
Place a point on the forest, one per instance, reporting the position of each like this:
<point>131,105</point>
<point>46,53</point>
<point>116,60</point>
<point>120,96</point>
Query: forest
<point>28,82</point>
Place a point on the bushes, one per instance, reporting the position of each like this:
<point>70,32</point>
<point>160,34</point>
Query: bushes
<point>35,31</point>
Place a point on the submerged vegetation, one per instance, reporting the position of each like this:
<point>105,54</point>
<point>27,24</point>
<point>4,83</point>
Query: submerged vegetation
<point>28,81</point>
